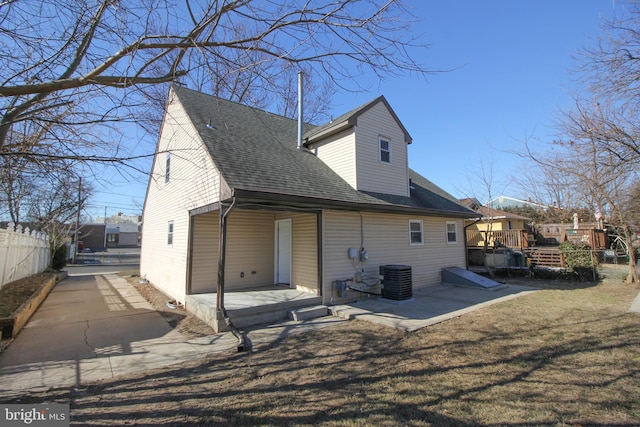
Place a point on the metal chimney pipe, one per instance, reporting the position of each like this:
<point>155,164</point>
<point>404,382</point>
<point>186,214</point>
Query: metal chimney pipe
<point>300,118</point>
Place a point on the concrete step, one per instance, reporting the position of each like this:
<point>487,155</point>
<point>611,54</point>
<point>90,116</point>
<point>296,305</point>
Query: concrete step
<point>347,312</point>
<point>250,315</point>
<point>306,313</point>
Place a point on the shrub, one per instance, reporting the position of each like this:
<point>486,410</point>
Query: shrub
<point>580,259</point>
<point>59,260</point>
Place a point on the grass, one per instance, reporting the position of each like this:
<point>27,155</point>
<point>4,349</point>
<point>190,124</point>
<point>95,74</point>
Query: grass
<point>552,358</point>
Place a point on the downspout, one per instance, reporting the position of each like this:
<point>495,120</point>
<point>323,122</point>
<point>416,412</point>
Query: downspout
<point>319,237</point>
<point>222,245</point>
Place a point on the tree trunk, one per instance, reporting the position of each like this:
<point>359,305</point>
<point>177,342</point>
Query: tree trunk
<point>632,277</point>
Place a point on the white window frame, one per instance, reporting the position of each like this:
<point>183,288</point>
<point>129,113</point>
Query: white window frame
<point>167,167</point>
<point>170,230</point>
<point>411,232</point>
<point>382,139</point>
<point>455,231</point>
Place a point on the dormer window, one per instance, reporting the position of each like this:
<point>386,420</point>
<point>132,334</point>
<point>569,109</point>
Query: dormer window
<point>385,150</point>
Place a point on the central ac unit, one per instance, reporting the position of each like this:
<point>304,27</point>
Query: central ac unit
<point>397,283</point>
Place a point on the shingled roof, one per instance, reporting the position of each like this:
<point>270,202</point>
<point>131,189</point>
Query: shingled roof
<point>257,156</point>
<point>350,119</point>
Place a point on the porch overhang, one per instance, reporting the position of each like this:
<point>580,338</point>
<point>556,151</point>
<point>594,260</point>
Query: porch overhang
<point>211,207</point>
<point>221,310</point>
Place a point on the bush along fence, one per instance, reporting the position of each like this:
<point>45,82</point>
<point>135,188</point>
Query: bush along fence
<point>581,259</point>
<point>23,252</point>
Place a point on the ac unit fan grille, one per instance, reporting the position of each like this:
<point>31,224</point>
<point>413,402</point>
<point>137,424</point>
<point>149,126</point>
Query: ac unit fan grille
<point>397,282</point>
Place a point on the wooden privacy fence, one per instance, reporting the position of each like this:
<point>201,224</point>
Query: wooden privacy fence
<point>545,257</point>
<point>22,253</point>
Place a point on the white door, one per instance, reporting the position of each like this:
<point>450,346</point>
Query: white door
<point>283,251</point>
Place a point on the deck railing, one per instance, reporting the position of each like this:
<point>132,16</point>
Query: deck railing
<point>514,239</point>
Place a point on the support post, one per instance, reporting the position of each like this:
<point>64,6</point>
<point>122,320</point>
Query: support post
<point>75,237</point>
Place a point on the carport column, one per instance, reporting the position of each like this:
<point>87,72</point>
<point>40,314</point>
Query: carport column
<point>220,324</point>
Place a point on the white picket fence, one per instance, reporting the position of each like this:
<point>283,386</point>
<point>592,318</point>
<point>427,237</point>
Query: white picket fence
<point>22,253</point>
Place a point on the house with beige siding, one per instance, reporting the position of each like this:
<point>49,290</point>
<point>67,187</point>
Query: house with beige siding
<point>236,205</point>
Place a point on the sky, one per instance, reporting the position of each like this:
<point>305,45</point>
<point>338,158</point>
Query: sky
<point>511,70</point>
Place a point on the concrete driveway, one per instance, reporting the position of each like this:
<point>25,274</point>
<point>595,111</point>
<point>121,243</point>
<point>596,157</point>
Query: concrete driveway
<point>90,328</point>
<point>94,327</point>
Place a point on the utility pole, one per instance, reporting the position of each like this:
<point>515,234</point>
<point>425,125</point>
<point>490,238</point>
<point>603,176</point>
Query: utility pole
<point>105,230</point>
<point>75,238</point>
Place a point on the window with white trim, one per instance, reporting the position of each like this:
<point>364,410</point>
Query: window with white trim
<point>170,233</point>
<point>416,234</point>
<point>167,167</point>
<point>452,232</point>
<point>385,150</point>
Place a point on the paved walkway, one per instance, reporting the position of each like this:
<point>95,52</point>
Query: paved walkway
<point>98,327</point>
<point>95,327</point>
<point>635,305</point>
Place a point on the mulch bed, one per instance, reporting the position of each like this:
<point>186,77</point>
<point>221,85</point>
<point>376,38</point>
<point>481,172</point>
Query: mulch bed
<point>14,294</point>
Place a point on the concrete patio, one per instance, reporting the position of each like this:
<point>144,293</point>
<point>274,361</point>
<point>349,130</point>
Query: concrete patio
<point>428,306</point>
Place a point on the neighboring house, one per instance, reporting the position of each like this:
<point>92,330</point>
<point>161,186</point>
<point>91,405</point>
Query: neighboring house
<point>498,228</point>
<point>234,203</point>
<point>123,235</point>
<point>90,237</point>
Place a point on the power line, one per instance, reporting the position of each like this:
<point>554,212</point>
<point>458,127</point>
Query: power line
<point>120,194</point>
<point>111,204</point>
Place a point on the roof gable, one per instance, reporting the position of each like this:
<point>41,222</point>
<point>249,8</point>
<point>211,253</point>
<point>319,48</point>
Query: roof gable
<point>350,119</point>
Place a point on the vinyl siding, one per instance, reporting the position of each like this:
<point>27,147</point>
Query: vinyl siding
<point>354,154</point>
<point>304,251</point>
<point>386,238</point>
<point>250,248</point>
<point>194,182</point>
<point>339,153</point>
<point>204,257</point>
<point>251,245</point>
<point>128,239</point>
<point>372,174</point>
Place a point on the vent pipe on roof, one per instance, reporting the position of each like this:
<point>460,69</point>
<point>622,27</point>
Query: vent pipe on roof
<point>300,118</point>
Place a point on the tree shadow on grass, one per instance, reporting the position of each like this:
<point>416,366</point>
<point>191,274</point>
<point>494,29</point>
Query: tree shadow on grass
<point>355,376</point>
